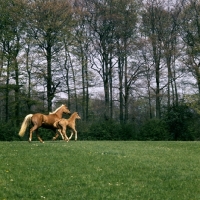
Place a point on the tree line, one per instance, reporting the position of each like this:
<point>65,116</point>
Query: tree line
<point>130,68</point>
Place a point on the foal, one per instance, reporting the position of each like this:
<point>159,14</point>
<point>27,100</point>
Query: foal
<point>62,125</point>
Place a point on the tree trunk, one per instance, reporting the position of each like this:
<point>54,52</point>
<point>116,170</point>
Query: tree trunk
<point>29,79</point>
<point>87,93</point>
<point>111,90</point>
<point>106,87</point>
<point>127,88</point>
<point>85,101</point>
<point>169,82</point>
<point>120,72</point>
<point>157,92</point>
<point>156,58</point>
<point>49,79</point>
<point>7,90</point>
<point>16,92</point>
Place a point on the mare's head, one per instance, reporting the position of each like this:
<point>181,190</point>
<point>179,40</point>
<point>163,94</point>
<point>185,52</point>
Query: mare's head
<point>65,109</point>
<point>62,109</point>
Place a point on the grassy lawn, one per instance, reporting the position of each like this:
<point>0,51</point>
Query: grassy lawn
<point>100,170</point>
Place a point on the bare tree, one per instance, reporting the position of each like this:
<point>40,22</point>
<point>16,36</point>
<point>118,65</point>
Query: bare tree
<point>50,20</point>
<point>10,35</point>
<point>153,20</point>
<point>81,52</point>
<point>190,32</point>
<point>170,48</point>
<point>125,34</point>
<point>100,20</point>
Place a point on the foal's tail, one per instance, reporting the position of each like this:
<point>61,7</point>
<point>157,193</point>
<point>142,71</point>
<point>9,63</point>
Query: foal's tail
<point>25,123</point>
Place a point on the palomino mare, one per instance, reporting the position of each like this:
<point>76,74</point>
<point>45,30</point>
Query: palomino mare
<point>40,120</point>
<point>62,125</point>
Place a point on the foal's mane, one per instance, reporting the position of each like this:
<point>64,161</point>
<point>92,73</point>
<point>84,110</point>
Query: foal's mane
<point>56,110</point>
<point>73,116</point>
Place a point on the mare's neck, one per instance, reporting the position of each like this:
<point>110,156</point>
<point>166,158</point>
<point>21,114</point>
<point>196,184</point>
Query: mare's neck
<point>59,113</point>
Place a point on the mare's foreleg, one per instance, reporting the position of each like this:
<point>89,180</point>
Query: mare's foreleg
<point>56,136</point>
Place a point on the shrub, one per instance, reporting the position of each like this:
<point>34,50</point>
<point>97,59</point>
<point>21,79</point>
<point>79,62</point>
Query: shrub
<point>104,130</point>
<point>129,131</point>
<point>8,132</point>
<point>180,121</point>
<point>154,129</point>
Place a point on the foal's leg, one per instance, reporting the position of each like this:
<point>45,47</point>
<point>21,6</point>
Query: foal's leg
<point>63,135</point>
<point>75,134</point>
<point>73,130</point>
<point>71,134</point>
<point>63,131</point>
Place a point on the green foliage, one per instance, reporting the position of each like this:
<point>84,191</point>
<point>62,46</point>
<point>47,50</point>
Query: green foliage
<point>193,101</point>
<point>194,131</point>
<point>154,129</point>
<point>99,170</point>
<point>109,130</point>
<point>179,119</point>
<point>8,132</point>
<point>104,130</point>
<point>46,134</point>
<point>178,123</point>
<point>129,131</point>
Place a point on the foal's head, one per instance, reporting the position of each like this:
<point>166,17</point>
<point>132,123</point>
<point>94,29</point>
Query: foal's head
<point>76,115</point>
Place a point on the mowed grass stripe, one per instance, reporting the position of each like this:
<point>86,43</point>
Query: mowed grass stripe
<point>100,170</point>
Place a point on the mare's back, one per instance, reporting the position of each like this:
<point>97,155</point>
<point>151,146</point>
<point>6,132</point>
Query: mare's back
<point>37,118</point>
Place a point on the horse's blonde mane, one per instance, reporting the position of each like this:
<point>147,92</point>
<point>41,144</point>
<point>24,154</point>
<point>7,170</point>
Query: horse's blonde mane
<point>56,110</point>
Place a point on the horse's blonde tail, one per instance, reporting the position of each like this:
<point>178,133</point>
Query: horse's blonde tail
<point>24,125</point>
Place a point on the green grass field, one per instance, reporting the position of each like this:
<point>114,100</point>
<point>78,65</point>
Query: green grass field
<point>100,170</point>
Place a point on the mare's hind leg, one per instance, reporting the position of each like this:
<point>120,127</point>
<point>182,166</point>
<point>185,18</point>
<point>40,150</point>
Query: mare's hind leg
<point>31,132</point>
<point>39,138</point>
<point>35,128</point>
